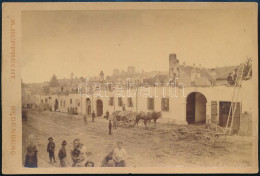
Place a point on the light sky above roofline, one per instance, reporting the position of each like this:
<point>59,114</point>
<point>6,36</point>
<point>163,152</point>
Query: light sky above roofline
<point>86,42</point>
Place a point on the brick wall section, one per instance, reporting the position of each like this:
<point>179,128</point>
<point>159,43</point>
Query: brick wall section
<point>246,124</point>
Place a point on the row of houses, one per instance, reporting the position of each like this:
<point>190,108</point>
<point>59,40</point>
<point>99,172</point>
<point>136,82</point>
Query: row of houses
<point>181,105</point>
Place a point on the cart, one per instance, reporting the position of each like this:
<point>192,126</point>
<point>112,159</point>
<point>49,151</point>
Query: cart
<point>208,134</point>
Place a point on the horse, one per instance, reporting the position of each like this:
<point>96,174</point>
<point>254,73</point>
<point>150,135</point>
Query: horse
<point>147,117</point>
<point>139,116</point>
<point>154,116</point>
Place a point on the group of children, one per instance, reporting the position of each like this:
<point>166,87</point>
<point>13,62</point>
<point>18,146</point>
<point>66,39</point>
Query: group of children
<point>116,158</point>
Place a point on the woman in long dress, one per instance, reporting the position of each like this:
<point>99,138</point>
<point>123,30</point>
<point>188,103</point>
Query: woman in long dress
<point>31,155</point>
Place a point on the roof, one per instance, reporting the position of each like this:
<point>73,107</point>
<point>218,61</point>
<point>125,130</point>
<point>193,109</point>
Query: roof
<point>223,72</point>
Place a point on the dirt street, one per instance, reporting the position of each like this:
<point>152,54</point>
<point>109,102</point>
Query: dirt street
<point>145,147</point>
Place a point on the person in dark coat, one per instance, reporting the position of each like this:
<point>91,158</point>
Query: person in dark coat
<point>63,154</point>
<point>110,127</point>
<point>77,154</point>
<point>31,155</point>
<point>93,116</point>
<point>51,149</point>
<point>108,160</point>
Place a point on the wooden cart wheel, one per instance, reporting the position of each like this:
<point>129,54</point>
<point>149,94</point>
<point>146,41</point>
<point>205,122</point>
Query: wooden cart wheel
<point>220,134</point>
<point>183,132</point>
<point>209,137</point>
<point>221,138</point>
<point>174,135</point>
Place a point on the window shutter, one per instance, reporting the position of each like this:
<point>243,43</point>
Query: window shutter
<point>214,111</point>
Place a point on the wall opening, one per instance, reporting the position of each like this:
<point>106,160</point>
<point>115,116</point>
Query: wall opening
<point>196,108</point>
<point>99,107</point>
<point>224,108</point>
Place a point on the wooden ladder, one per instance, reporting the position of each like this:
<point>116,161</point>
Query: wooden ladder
<point>234,103</point>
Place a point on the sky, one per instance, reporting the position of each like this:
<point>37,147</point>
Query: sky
<point>86,42</point>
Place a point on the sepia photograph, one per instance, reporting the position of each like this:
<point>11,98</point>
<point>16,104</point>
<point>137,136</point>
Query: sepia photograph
<point>172,87</point>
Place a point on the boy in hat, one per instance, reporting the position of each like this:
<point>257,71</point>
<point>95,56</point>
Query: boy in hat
<point>51,149</point>
<point>62,154</point>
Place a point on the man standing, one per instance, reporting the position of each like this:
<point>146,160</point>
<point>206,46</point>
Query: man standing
<point>110,127</point>
<point>63,154</point>
<point>93,116</point>
<point>119,155</point>
<point>51,149</point>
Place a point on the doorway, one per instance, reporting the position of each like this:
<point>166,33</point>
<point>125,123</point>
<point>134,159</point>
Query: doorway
<point>196,108</point>
<point>99,107</point>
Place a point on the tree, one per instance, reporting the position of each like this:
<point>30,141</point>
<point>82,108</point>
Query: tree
<point>54,81</point>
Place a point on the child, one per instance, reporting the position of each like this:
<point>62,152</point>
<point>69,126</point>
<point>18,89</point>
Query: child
<point>119,155</point>
<point>78,154</point>
<point>62,154</point>
<point>51,149</point>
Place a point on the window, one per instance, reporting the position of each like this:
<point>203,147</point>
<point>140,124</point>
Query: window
<point>111,101</point>
<point>165,104</point>
<point>46,100</point>
<point>61,103</point>
<point>70,101</point>
<point>41,101</point>
<point>129,102</point>
<point>150,103</point>
<point>120,101</point>
<point>64,103</point>
<point>224,108</point>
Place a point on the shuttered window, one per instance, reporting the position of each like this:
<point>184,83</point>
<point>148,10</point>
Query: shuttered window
<point>165,104</point>
<point>129,102</point>
<point>120,101</point>
<point>150,103</point>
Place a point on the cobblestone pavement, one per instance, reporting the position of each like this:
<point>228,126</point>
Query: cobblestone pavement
<point>145,147</point>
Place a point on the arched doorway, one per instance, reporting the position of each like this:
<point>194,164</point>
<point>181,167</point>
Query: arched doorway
<point>99,107</point>
<point>88,107</point>
<point>196,108</point>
